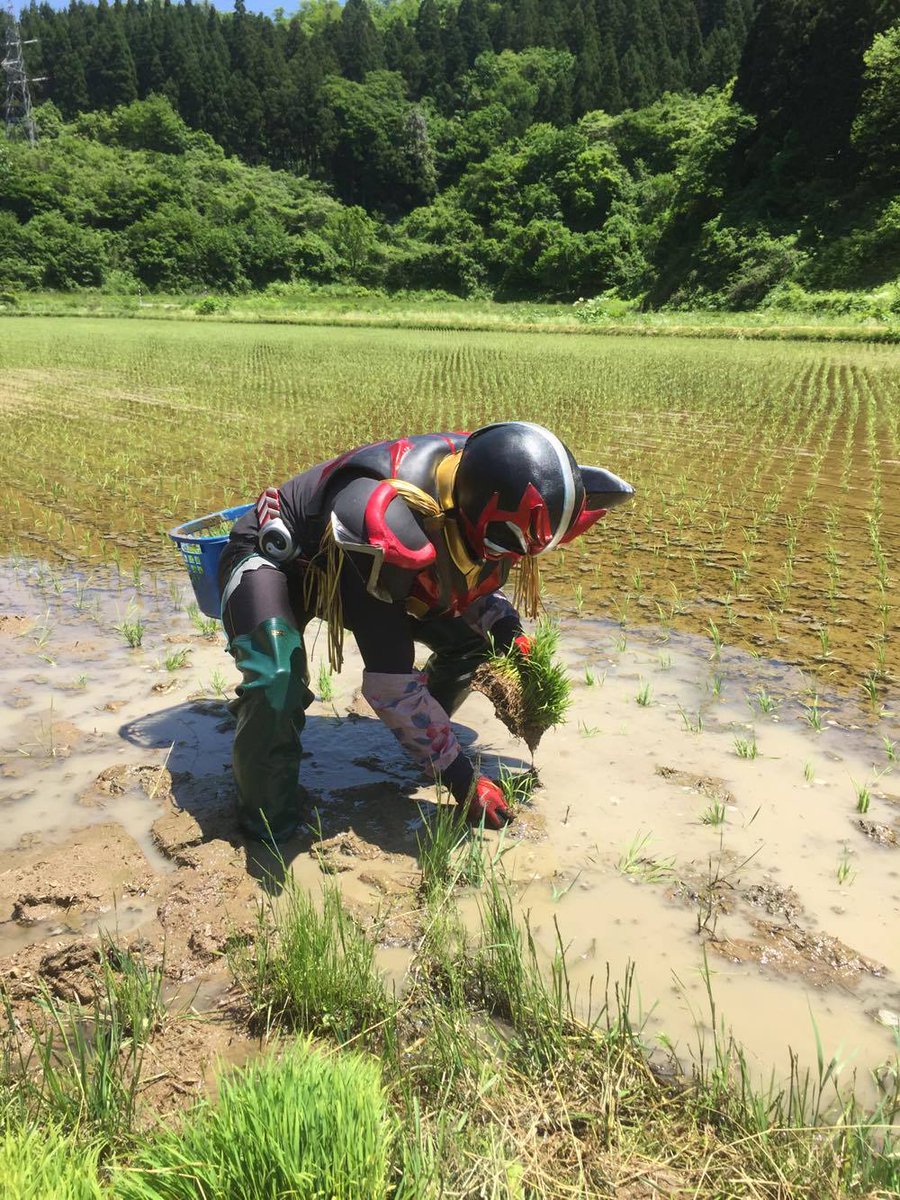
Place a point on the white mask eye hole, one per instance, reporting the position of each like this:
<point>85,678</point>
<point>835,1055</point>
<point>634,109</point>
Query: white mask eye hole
<point>519,535</point>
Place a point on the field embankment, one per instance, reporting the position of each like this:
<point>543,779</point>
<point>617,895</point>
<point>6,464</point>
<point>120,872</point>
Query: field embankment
<point>365,308</point>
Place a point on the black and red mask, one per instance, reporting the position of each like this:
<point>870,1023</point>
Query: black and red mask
<point>519,491</point>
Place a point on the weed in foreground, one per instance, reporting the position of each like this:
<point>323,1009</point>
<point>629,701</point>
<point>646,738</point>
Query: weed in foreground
<point>83,1070</point>
<point>313,969</point>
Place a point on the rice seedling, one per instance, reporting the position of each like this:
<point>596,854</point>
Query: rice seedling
<point>588,731</point>
<point>638,863</point>
<point>870,689</point>
<point>664,662</point>
<point>591,678</point>
<point>691,724</point>
<point>131,628</point>
<point>716,638</point>
<point>761,700</point>
<point>746,747</point>
<point>812,714</point>
<point>890,749</point>
<point>517,786</point>
<point>175,660</point>
<point>444,832</point>
<point>809,773</point>
<point>325,684</point>
<point>208,626</point>
<point>313,970</point>
<point>863,796</point>
<point>715,814</point>
<point>530,693</point>
<point>643,696</point>
<point>307,1123</point>
<point>845,873</point>
<point>218,685</point>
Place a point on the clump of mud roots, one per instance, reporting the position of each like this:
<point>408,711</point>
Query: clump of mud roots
<point>505,692</point>
<point>530,693</point>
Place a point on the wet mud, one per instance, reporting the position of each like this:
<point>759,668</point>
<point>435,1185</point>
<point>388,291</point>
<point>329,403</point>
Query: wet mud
<point>649,841</point>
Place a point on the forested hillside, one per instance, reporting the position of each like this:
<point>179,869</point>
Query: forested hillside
<point>682,152</point>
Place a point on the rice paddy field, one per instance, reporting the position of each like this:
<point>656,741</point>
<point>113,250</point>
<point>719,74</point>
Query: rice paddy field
<point>675,975</point>
<point>768,475</point>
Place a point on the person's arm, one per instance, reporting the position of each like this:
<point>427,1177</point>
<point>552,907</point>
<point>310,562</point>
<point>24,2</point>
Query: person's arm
<point>373,592</point>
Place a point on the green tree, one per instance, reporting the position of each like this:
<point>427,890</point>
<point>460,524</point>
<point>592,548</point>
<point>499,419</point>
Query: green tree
<point>876,130</point>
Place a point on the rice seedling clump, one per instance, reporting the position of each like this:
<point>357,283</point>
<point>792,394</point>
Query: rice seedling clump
<point>309,1125</point>
<point>530,692</point>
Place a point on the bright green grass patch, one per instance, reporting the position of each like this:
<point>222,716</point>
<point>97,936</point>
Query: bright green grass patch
<point>41,1164</point>
<point>309,1125</point>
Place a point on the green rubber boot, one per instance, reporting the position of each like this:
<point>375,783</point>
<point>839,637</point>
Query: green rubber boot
<point>270,717</point>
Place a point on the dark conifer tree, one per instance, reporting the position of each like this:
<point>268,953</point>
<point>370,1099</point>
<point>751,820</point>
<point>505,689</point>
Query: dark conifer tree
<point>472,30</point>
<point>360,43</point>
<point>429,37</point>
<point>109,70</point>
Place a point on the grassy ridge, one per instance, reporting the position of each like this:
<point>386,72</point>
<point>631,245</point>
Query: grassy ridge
<point>366,308</point>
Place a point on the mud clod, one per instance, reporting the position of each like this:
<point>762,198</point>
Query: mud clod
<point>343,852</point>
<point>776,900</point>
<point>154,781</point>
<point>883,835</point>
<point>821,959</point>
<point>709,786</point>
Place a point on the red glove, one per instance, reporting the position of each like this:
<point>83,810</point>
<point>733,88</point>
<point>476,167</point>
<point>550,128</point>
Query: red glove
<point>523,644</point>
<point>487,803</point>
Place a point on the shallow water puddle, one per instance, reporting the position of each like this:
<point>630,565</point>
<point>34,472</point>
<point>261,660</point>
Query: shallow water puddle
<point>656,838</point>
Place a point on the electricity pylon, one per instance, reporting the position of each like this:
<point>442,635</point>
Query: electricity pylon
<point>17,112</point>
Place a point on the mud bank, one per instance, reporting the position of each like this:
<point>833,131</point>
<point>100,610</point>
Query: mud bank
<point>690,820</point>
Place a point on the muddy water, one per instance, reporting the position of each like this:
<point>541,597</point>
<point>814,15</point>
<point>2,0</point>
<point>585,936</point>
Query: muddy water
<point>794,905</point>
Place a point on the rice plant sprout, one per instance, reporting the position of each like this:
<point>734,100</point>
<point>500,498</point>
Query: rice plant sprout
<point>530,693</point>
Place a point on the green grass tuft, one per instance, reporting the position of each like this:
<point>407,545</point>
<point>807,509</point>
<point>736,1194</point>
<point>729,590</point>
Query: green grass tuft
<point>43,1164</point>
<point>309,1125</point>
<point>314,969</point>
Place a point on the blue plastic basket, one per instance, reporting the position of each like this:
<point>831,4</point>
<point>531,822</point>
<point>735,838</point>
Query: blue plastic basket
<point>201,555</point>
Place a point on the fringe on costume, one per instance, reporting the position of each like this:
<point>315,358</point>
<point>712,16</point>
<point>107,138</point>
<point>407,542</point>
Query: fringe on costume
<point>527,587</point>
<point>322,594</point>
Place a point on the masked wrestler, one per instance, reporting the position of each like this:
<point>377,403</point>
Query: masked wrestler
<point>400,542</point>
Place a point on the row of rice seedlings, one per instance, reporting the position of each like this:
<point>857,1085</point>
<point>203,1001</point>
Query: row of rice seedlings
<point>794,408</point>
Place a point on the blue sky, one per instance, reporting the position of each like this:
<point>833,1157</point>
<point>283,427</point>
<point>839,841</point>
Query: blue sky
<point>260,6</point>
